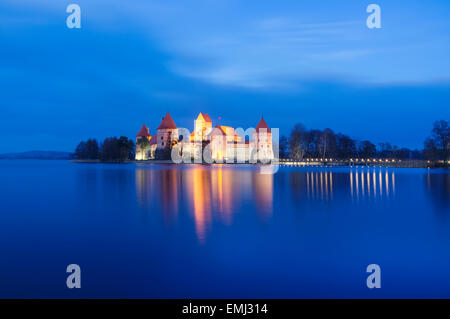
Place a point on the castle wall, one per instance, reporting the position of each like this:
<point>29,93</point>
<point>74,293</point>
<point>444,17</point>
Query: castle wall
<point>165,136</point>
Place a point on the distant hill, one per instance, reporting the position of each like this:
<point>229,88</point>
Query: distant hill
<point>47,155</point>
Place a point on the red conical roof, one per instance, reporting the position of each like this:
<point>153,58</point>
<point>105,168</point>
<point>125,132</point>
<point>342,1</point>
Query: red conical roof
<point>143,131</point>
<point>167,123</point>
<point>205,117</point>
<point>262,126</point>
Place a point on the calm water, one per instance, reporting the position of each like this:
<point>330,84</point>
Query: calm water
<point>162,231</point>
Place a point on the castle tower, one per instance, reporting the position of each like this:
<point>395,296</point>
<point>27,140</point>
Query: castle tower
<point>143,133</point>
<point>202,127</point>
<point>167,132</point>
<point>262,141</point>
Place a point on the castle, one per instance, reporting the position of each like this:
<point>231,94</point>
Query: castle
<point>223,143</point>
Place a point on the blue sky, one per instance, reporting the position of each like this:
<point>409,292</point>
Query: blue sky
<point>313,62</point>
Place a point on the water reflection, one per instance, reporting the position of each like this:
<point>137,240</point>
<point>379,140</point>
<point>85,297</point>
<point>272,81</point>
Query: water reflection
<point>147,222</point>
<point>161,185</point>
<point>217,193</point>
<point>199,194</point>
<point>263,194</point>
<point>366,184</point>
<point>438,188</point>
<point>319,185</point>
<point>208,193</point>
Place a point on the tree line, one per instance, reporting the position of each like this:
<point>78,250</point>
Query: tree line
<point>303,143</point>
<point>112,149</point>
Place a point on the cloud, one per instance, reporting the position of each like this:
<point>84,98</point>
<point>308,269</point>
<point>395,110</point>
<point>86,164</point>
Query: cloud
<point>241,44</point>
<point>267,54</point>
<point>341,55</point>
<point>230,76</point>
<point>253,46</point>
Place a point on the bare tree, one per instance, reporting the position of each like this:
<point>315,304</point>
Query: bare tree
<point>297,142</point>
<point>440,136</point>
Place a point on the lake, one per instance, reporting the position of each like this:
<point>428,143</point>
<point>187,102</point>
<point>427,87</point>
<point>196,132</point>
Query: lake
<point>222,231</point>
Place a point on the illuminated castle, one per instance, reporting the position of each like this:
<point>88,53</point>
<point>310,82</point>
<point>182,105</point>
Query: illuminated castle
<point>223,143</point>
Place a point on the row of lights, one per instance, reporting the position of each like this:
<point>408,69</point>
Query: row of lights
<point>374,160</point>
<point>380,160</point>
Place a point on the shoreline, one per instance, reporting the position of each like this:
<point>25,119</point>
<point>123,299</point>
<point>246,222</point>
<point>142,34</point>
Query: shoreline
<point>289,163</point>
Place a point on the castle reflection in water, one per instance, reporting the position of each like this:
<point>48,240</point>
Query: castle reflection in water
<point>207,193</point>
<point>215,193</point>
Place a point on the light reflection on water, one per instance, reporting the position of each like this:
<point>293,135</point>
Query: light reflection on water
<point>217,191</point>
<point>319,185</point>
<point>211,193</point>
<point>361,185</point>
<point>223,230</point>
